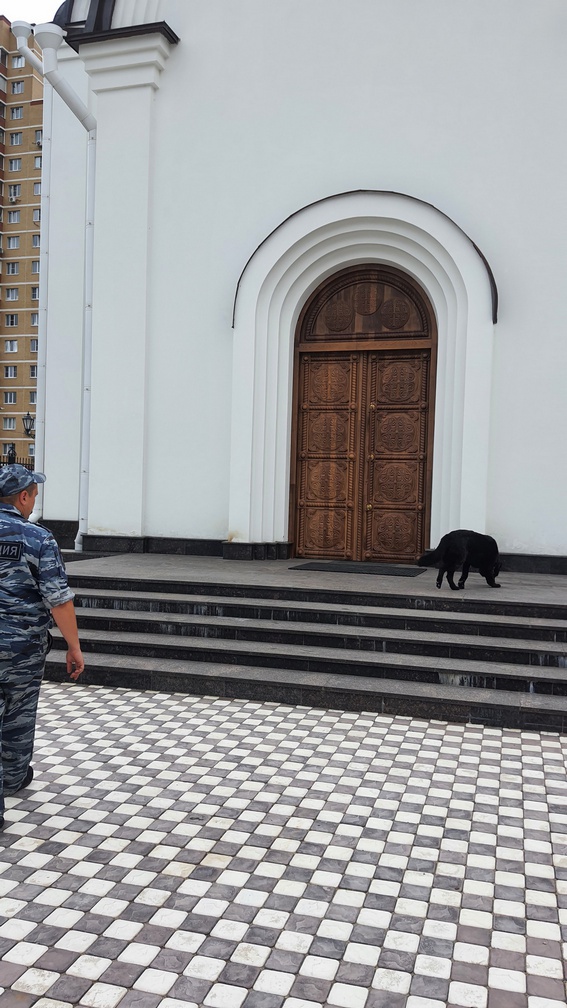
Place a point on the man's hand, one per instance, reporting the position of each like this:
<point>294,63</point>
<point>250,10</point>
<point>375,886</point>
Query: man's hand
<point>64,616</point>
<point>75,662</point>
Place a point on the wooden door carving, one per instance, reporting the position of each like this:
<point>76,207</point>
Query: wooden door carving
<point>364,382</point>
<point>328,453</point>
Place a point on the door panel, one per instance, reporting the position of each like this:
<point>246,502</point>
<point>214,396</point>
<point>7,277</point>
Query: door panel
<point>396,444</point>
<point>328,456</point>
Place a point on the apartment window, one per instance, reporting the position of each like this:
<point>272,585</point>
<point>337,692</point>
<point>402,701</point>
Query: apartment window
<point>36,216</point>
<point>11,371</point>
<point>34,321</point>
<point>17,87</point>
<point>12,293</point>
<point>10,398</point>
<point>16,139</point>
<point>9,423</point>
<point>17,112</point>
<point>13,216</point>
<point>14,190</point>
<point>13,241</point>
<point>38,137</point>
<point>35,241</point>
<point>37,188</point>
<point>14,164</point>
<point>33,370</point>
<point>3,57</point>
<point>35,293</point>
<point>33,398</point>
<point>6,448</point>
<point>2,106</point>
<point>18,62</point>
<point>35,266</point>
<point>11,321</point>
<point>12,268</point>
<point>31,451</point>
<point>2,136</point>
<point>37,161</point>
<point>33,345</point>
<point>10,346</point>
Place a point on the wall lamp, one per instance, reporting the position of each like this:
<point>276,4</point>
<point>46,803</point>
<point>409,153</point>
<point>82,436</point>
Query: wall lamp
<point>29,425</point>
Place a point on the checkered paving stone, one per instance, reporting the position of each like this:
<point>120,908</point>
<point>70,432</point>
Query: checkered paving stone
<point>177,852</point>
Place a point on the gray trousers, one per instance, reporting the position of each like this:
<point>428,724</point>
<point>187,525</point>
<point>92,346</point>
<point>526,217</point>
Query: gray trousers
<point>21,670</point>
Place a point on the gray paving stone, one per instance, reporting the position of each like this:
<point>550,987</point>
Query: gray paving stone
<point>153,797</point>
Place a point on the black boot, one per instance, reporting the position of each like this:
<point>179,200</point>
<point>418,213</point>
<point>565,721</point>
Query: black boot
<point>27,779</point>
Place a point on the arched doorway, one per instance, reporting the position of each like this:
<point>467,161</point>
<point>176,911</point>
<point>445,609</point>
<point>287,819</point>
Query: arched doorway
<point>364,380</point>
<point>287,267</point>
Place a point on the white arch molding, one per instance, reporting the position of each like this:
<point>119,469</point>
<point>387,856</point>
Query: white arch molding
<point>342,231</point>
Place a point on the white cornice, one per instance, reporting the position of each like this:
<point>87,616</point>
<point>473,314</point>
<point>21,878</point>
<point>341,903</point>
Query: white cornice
<point>136,61</point>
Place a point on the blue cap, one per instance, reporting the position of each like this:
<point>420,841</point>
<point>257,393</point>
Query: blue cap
<point>14,478</point>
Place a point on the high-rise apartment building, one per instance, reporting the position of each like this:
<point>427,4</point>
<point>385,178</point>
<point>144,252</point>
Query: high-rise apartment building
<point>21,114</point>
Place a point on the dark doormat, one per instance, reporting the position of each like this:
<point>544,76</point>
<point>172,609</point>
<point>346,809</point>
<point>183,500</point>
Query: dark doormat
<point>345,567</point>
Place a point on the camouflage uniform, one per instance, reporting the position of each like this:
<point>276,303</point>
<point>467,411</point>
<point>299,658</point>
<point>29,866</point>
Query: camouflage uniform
<point>32,581</point>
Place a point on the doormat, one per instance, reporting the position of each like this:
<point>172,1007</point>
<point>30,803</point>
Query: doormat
<point>344,567</point>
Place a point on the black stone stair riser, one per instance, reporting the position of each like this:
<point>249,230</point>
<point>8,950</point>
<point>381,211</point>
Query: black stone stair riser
<point>513,685</point>
<point>264,634</point>
<point>552,688</point>
<point>257,658</point>
<point>438,603</point>
<point>300,663</point>
<point>336,618</point>
<point>414,707</point>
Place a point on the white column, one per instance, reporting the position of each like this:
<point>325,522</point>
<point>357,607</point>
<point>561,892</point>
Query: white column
<point>125,76</point>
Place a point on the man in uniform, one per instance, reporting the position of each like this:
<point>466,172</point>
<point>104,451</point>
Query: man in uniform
<point>33,592</point>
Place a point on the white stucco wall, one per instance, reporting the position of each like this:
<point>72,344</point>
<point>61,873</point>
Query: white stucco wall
<point>66,209</point>
<point>262,109</point>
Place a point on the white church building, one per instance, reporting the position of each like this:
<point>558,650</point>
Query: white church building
<point>303,270</point>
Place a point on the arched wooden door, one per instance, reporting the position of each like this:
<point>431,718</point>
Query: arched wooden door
<point>364,391</point>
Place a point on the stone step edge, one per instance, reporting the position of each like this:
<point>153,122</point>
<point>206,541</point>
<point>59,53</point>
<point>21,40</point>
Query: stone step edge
<point>331,683</point>
<point>440,602</point>
<point>323,607</point>
<point>335,656</point>
<point>330,630</point>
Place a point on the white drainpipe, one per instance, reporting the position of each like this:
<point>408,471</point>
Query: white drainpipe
<point>50,37</point>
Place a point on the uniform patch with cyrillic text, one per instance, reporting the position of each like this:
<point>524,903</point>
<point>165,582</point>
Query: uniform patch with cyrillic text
<point>11,550</point>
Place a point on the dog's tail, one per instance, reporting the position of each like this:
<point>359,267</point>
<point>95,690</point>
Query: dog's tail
<point>430,558</point>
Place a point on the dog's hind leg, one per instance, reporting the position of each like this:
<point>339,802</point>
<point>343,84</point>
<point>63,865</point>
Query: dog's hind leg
<point>464,575</point>
<point>440,574</point>
<point>490,581</point>
<point>450,578</point>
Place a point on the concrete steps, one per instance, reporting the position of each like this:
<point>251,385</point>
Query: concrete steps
<point>328,613</point>
<point>441,657</point>
<point>124,625</point>
<point>341,597</point>
<point>416,699</point>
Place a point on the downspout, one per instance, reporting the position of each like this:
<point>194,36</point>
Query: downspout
<point>50,37</point>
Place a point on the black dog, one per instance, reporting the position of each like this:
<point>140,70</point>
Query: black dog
<point>465,549</point>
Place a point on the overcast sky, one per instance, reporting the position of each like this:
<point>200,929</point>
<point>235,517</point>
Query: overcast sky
<point>34,11</point>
